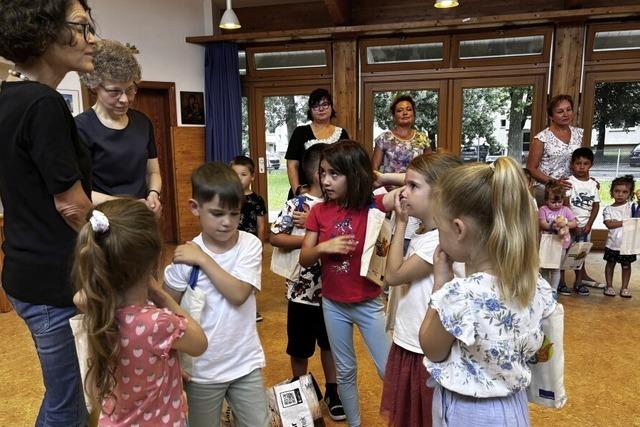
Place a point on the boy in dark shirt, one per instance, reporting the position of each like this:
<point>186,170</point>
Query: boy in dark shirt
<point>252,215</point>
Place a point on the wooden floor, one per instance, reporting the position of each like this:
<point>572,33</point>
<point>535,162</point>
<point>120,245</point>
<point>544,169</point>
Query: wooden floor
<point>602,365</point>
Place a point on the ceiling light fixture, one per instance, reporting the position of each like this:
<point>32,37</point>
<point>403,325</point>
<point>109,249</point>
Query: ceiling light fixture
<point>229,19</point>
<point>445,4</point>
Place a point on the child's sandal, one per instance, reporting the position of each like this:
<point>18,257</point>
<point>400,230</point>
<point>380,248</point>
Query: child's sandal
<point>608,291</point>
<point>625,293</point>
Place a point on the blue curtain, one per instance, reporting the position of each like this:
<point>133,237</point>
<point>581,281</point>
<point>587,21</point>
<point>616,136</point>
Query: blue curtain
<point>223,98</point>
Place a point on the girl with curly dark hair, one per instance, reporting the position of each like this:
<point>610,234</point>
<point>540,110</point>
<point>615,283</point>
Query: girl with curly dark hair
<point>45,186</point>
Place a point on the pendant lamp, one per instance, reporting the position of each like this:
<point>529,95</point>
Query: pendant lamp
<point>445,4</point>
<point>229,19</point>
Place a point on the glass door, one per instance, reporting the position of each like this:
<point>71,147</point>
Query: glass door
<point>496,117</point>
<point>278,112</point>
<point>611,123</point>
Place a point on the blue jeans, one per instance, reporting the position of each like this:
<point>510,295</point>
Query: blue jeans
<point>63,403</point>
<point>339,319</point>
<point>246,397</point>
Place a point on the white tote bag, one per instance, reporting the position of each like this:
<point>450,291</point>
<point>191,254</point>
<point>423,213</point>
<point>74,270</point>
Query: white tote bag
<point>82,349</point>
<point>294,403</point>
<point>193,300</point>
<point>376,246</point>
<point>576,255</point>
<point>547,365</point>
<point>630,237</point>
<point>550,251</point>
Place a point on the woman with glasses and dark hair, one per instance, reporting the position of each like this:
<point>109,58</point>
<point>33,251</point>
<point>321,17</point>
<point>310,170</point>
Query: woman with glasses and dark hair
<point>320,130</point>
<point>45,184</point>
<point>120,139</point>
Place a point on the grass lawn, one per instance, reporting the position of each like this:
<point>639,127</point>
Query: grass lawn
<point>278,190</point>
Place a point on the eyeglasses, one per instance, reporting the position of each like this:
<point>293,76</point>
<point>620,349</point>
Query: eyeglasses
<point>116,93</point>
<point>321,106</point>
<point>86,29</point>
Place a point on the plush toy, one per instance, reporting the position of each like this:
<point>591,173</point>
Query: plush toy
<point>561,225</point>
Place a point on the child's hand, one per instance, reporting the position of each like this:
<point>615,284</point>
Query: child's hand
<point>157,295</point>
<point>299,218</point>
<point>378,179</point>
<point>189,253</point>
<point>400,206</point>
<point>442,268</point>
<point>339,245</point>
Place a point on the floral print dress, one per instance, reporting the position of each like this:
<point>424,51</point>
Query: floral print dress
<point>397,152</point>
<point>494,339</point>
<point>556,155</point>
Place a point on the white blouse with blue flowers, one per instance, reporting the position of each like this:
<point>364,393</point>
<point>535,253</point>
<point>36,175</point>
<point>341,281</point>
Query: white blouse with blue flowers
<point>494,339</point>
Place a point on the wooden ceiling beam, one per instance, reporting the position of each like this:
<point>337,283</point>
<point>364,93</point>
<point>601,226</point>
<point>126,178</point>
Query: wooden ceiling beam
<point>340,11</point>
<point>426,26</point>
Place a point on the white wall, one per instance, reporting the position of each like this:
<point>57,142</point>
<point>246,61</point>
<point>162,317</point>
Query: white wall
<point>158,29</point>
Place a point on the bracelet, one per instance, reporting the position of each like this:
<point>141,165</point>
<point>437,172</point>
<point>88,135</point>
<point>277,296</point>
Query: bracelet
<point>153,191</point>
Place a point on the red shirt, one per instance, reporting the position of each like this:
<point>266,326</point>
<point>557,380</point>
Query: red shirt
<point>341,280</point>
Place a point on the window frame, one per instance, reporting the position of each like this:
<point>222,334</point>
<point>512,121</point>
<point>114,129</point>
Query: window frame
<point>592,29</point>
<point>546,32</point>
<point>327,70</point>
<point>414,65</point>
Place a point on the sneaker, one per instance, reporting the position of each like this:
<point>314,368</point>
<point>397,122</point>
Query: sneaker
<point>334,404</point>
<point>581,290</point>
<point>564,290</point>
<point>259,317</point>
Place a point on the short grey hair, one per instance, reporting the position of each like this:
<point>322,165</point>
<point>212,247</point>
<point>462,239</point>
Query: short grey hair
<point>112,61</point>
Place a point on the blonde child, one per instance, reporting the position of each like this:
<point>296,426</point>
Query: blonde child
<point>480,331</point>
<point>406,401</point>
<point>135,328</point>
<point>335,236</point>
<point>230,263</point>
<point>614,215</point>
<point>550,219</point>
<point>305,322</point>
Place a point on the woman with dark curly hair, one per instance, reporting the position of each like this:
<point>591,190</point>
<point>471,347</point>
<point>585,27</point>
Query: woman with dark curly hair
<point>45,185</point>
<point>121,140</point>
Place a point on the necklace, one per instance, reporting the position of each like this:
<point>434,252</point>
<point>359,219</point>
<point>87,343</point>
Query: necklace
<point>19,75</point>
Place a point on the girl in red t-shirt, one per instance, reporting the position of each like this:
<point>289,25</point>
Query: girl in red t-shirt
<point>335,235</point>
<point>134,327</point>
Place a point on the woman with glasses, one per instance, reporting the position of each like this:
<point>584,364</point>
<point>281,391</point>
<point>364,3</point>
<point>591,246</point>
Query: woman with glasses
<point>120,139</point>
<point>320,112</point>
<point>45,186</point>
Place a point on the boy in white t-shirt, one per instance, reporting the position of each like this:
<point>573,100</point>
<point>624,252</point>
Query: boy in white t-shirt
<point>230,264</point>
<point>584,200</point>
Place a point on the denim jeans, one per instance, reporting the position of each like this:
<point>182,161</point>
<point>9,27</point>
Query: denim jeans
<point>246,397</point>
<point>63,403</point>
<point>339,319</point>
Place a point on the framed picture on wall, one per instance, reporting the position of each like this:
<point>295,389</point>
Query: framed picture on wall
<point>72,98</point>
<point>192,108</point>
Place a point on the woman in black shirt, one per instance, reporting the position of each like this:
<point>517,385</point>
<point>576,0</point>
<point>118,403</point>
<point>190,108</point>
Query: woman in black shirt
<point>45,185</point>
<point>320,112</point>
<point>121,140</point>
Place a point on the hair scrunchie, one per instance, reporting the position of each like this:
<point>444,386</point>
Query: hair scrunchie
<point>99,222</point>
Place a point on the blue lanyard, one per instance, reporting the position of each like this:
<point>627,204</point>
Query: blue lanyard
<point>193,277</point>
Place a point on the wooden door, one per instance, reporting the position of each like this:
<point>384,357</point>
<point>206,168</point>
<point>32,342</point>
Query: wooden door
<point>157,101</point>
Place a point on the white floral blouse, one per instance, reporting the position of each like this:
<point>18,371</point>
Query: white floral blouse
<point>556,155</point>
<point>494,339</point>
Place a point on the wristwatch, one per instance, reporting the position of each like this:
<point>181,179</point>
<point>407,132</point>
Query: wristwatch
<point>153,191</point>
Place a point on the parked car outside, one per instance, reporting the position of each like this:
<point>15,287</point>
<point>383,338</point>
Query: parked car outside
<point>474,153</point>
<point>273,161</point>
<point>634,157</point>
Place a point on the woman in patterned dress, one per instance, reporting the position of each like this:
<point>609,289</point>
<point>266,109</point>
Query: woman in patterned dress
<point>550,151</point>
<point>395,148</point>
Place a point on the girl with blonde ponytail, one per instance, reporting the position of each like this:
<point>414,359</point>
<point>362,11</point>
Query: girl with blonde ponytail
<point>480,331</point>
<point>134,327</point>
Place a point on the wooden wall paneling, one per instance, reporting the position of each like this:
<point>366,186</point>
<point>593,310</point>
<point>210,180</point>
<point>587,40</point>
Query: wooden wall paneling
<point>339,10</point>
<point>309,14</point>
<point>567,60</point>
<point>345,84</point>
<point>188,154</point>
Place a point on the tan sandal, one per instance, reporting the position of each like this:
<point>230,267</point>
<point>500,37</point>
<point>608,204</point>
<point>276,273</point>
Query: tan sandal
<point>608,291</point>
<point>625,293</point>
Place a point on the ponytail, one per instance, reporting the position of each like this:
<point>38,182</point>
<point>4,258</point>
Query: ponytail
<point>497,198</point>
<point>116,249</point>
<point>513,241</point>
